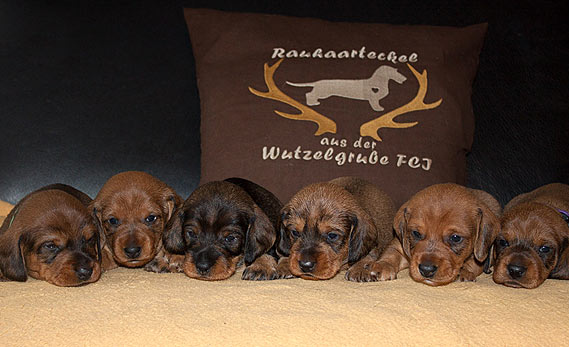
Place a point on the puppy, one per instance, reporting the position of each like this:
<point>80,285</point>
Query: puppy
<point>223,223</point>
<point>534,241</point>
<point>50,235</point>
<point>445,233</point>
<point>328,226</point>
<point>131,211</point>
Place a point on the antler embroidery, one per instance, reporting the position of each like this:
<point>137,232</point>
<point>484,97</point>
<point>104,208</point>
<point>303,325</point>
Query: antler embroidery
<point>417,104</point>
<point>325,124</point>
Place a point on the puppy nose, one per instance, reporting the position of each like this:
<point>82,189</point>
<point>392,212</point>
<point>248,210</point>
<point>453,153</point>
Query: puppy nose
<point>306,265</point>
<point>516,271</point>
<point>203,266</point>
<point>84,273</point>
<point>132,252</point>
<point>427,270</point>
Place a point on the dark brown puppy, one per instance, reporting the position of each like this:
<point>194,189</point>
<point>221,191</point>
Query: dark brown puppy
<point>534,241</point>
<point>223,223</point>
<point>50,236</point>
<point>328,226</point>
<point>445,233</point>
<point>132,209</point>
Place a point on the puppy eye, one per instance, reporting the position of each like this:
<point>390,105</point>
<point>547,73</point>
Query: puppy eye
<point>190,235</point>
<point>544,249</point>
<point>113,221</point>
<point>50,246</point>
<point>454,238</point>
<point>150,219</point>
<point>332,237</point>
<point>417,235</point>
<point>230,238</point>
<point>295,233</point>
<point>503,243</point>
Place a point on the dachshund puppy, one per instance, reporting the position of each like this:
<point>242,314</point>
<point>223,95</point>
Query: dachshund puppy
<point>534,241</point>
<point>50,235</point>
<point>222,224</point>
<point>445,233</point>
<point>328,226</point>
<point>131,211</point>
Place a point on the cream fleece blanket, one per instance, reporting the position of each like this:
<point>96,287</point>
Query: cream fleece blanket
<point>133,307</point>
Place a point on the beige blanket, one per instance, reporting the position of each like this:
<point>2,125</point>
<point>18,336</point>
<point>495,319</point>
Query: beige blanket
<point>132,307</point>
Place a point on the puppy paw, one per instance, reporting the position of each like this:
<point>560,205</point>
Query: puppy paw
<point>165,264</point>
<point>361,272</point>
<point>156,265</point>
<point>371,271</point>
<point>252,273</point>
<point>385,271</point>
<point>263,268</point>
<point>283,269</point>
<point>466,276</point>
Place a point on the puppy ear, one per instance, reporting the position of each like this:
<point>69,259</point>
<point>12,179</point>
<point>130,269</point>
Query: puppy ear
<point>355,242</point>
<point>486,231</point>
<point>170,202</point>
<point>490,259</point>
<point>363,236</point>
<point>172,237</point>
<point>561,270</point>
<point>260,237</point>
<point>284,245</point>
<point>400,227</point>
<point>98,219</point>
<point>105,253</point>
<point>12,266</point>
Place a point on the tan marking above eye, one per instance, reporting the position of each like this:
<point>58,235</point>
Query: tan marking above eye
<point>90,239</point>
<point>232,229</point>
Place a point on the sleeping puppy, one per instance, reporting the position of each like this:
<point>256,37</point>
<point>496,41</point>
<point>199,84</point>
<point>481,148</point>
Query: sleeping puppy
<point>50,235</point>
<point>222,224</point>
<point>445,233</point>
<point>131,211</point>
<point>534,241</point>
<point>329,226</point>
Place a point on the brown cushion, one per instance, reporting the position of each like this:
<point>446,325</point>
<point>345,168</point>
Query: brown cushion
<point>290,101</point>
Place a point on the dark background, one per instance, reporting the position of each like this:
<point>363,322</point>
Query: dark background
<point>89,89</point>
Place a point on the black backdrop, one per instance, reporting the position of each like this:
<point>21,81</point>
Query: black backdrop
<point>92,88</point>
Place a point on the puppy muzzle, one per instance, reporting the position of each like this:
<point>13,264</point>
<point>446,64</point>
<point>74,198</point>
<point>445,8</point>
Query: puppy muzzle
<point>205,260</point>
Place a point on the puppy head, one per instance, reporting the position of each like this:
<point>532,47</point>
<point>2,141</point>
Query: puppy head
<point>322,228</point>
<point>532,246</point>
<point>132,210</point>
<point>440,228</point>
<point>218,226</point>
<point>51,237</point>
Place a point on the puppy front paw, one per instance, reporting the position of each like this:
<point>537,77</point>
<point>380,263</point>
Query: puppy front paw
<point>466,276</point>
<point>164,264</point>
<point>385,271</point>
<point>361,272</point>
<point>283,269</point>
<point>263,268</point>
<point>254,273</point>
<point>157,265</point>
<point>371,271</point>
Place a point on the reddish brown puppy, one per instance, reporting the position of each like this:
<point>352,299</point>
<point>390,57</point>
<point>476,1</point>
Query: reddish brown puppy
<point>445,233</point>
<point>50,236</point>
<point>533,244</point>
<point>329,226</point>
<point>132,209</point>
<point>223,224</point>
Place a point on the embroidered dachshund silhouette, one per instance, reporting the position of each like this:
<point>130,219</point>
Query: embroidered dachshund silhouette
<point>372,89</point>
